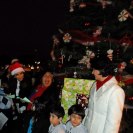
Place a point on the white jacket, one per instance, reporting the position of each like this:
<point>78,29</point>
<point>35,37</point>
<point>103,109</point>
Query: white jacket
<point>105,108</point>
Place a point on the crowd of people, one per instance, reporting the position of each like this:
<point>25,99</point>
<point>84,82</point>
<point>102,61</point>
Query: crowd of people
<point>27,107</point>
<point>16,86</point>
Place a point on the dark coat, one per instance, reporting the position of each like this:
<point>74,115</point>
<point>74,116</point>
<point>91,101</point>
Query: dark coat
<point>41,116</point>
<point>25,91</point>
<point>25,86</point>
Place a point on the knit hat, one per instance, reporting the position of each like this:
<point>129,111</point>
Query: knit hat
<point>16,68</point>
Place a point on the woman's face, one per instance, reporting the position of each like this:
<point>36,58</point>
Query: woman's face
<point>97,74</point>
<point>47,79</point>
<point>19,76</point>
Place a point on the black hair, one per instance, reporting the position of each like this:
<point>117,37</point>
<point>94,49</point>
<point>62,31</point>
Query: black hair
<point>76,109</point>
<point>103,64</point>
<point>58,111</point>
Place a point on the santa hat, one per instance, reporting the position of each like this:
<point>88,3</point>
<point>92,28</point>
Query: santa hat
<point>16,68</point>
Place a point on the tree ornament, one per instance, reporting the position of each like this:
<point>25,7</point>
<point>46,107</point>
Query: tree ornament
<point>75,74</point>
<point>69,58</point>
<point>104,3</point>
<point>123,15</point>
<point>97,32</point>
<point>125,40</point>
<point>86,24</point>
<point>91,43</point>
<point>86,59</point>
<point>62,56</point>
<point>110,51</point>
<point>67,38</point>
<point>72,4</point>
<point>110,54</point>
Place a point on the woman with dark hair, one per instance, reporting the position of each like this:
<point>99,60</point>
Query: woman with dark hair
<point>45,90</point>
<point>20,86</point>
<point>106,100</point>
<point>46,95</point>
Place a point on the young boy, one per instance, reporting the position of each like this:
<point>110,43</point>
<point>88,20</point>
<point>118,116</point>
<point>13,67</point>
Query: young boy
<point>74,125</point>
<point>56,115</point>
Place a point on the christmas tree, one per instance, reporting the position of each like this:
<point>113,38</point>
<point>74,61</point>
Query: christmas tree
<point>93,28</point>
<point>96,28</point>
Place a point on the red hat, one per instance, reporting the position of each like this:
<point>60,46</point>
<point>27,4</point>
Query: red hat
<point>16,68</point>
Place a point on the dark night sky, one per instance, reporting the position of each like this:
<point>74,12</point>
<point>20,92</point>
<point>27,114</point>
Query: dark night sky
<point>28,25</point>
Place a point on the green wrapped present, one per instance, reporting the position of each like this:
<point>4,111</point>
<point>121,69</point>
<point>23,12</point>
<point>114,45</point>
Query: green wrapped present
<point>72,87</point>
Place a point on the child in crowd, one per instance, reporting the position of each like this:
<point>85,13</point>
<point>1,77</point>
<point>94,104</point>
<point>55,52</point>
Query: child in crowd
<point>74,125</point>
<point>56,115</point>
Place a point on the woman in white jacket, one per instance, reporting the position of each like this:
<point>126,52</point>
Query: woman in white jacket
<point>106,100</point>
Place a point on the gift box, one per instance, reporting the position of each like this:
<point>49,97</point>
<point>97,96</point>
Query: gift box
<point>71,88</point>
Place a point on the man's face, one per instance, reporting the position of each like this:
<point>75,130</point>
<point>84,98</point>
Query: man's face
<point>19,76</point>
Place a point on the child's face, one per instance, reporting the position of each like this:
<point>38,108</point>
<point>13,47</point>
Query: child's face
<point>75,119</point>
<point>54,119</point>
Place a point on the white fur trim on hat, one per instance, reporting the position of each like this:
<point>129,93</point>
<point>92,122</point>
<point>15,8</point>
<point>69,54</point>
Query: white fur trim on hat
<point>14,60</point>
<point>17,70</point>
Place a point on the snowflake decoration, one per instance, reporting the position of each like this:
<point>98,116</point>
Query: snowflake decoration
<point>123,15</point>
<point>86,59</point>
<point>67,38</point>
